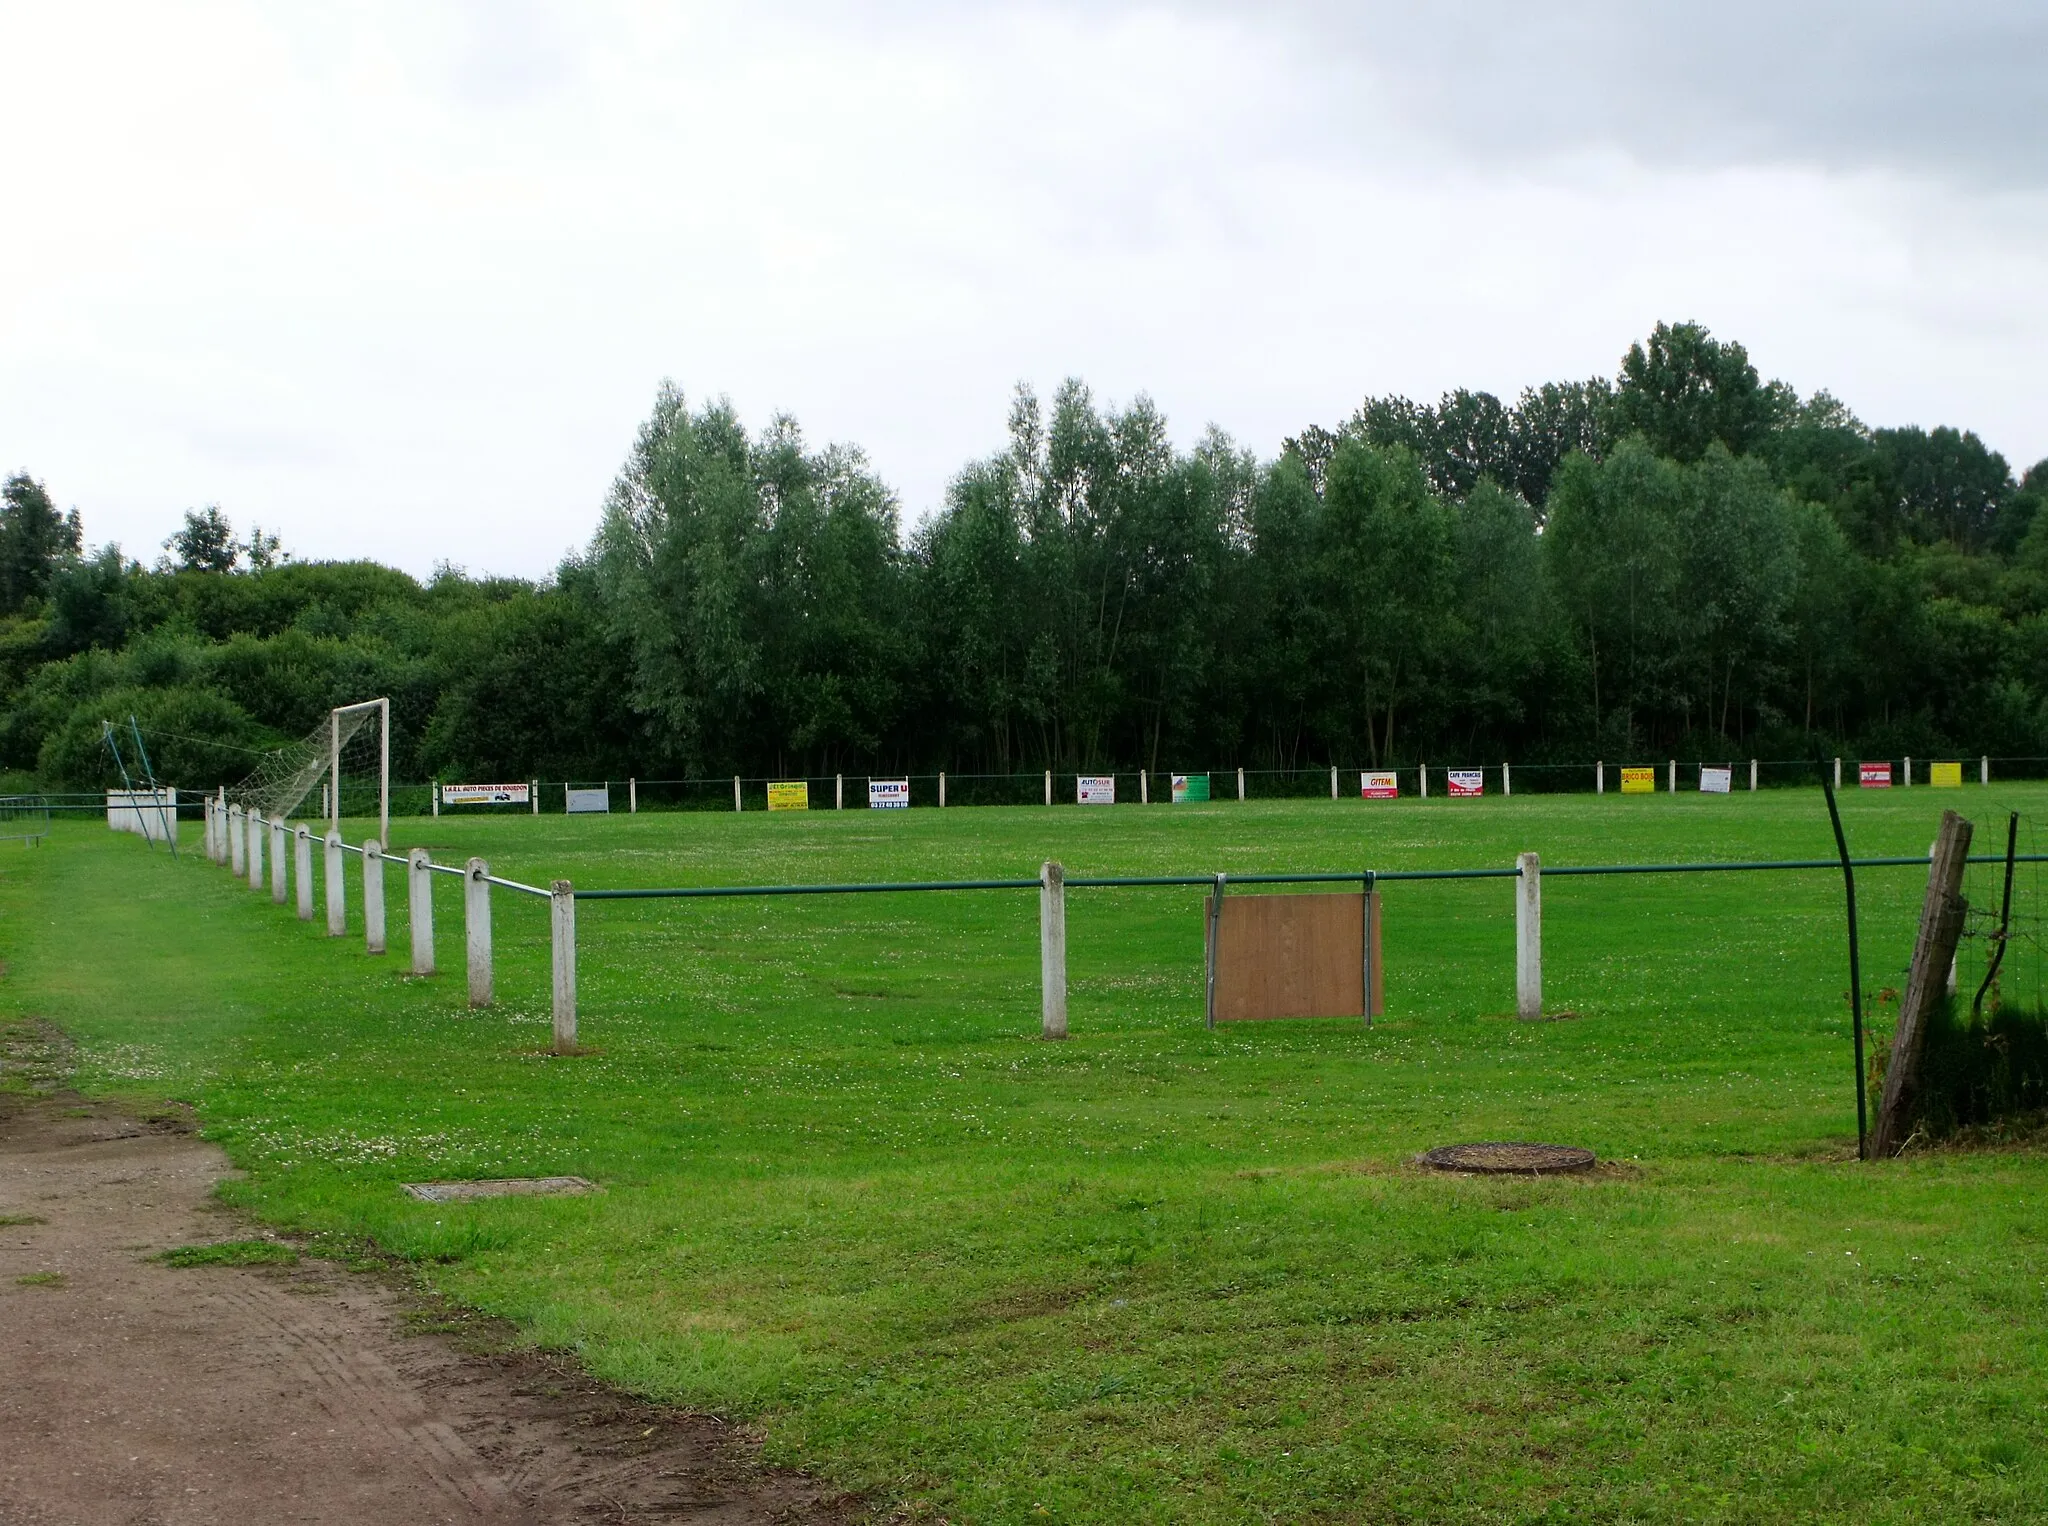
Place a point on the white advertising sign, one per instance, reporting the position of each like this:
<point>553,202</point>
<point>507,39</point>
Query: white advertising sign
<point>1467,781</point>
<point>1716,781</point>
<point>485,794</point>
<point>889,794</point>
<point>589,800</point>
<point>1095,789</point>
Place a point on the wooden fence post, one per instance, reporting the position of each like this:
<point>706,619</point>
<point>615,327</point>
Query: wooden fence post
<point>1052,950</point>
<point>1934,952</point>
<point>476,919</point>
<point>337,888</point>
<point>278,890</point>
<point>419,906</point>
<point>1529,938</point>
<point>373,896</point>
<point>302,866</point>
<point>562,903</point>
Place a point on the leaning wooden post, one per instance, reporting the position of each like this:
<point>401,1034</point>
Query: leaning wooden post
<point>373,896</point>
<point>1934,951</point>
<point>476,919</point>
<point>1052,949</point>
<point>236,847</point>
<point>253,824</point>
<point>337,887</point>
<point>419,906</point>
<point>1529,938</point>
<point>562,895</point>
<point>302,867</point>
<point>278,890</point>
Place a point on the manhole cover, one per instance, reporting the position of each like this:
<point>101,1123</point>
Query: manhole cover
<point>1517,1157</point>
<point>513,1186</point>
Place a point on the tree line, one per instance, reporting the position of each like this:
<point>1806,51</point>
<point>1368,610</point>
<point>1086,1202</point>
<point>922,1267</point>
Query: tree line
<point>1683,560</point>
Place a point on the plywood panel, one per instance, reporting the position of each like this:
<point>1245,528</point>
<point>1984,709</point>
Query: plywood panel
<point>1293,956</point>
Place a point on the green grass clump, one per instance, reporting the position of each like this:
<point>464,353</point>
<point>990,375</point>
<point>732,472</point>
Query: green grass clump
<point>1156,1273</point>
<point>10,1220</point>
<point>232,1253</point>
<point>41,1280</point>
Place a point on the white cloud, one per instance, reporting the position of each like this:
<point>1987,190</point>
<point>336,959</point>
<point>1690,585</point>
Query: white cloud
<point>401,282</point>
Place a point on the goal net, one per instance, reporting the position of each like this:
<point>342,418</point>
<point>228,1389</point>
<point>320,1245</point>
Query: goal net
<point>340,768</point>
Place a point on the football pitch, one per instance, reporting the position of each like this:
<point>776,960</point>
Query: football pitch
<point>1156,1272</point>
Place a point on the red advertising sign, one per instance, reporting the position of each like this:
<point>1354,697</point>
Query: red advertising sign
<point>1874,775</point>
<point>1467,781</point>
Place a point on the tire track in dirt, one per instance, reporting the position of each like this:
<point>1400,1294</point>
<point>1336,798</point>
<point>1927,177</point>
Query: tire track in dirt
<point>147,1395</point>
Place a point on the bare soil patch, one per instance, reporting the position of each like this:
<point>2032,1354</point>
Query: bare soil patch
<point>141,1392</point>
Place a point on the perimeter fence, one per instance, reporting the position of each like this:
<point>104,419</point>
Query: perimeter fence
<point>276,855</point>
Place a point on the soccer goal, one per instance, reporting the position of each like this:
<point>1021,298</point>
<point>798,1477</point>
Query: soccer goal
<point>347,757</point>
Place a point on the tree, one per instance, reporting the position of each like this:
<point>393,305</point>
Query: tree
<point>35,541</point>
<point>1739,562</point>
<point>206,543</point>
<point>1941,484</point>
<point>1685,390</point>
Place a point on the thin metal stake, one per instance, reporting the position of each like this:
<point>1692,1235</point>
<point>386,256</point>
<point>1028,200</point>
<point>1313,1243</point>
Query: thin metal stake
<point>1855,961</point>
<point>1215,942</point>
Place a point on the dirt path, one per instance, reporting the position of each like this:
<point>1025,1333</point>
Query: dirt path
<point>133,1392</point>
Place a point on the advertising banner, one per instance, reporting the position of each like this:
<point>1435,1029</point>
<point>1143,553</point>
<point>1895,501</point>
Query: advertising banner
<point>1716,781</point>
<point>1188,787</point>
<point>1095,789</point>
<point>1874,775</point>
<point>1946,776</point>
<point>1383,785</point>
<point>589,800</point>
<point>1639,781</point>
<point>888,794</point>
<point>486,794</point>
<point>790,796</point>
<point>1467,781</point>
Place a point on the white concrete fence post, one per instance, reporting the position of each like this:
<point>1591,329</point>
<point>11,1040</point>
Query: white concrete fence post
<point>302,867</point>
<point>632,797</point>
<point>253,829</point>
<point>562,899</point>
<point>237,848</point>
<point>373,896</point>
<point>1838,773</point>
<point>476,920</point>
<point>1240,784</point>
<point>736,792</point>
<point>942,789</point>
<point>419,906</point>
<point>1422,778</point>
<point>1048,786</point>
<point>1752,776</point>
<point>1333,781</point>
<point>434,795</point>
<point>1052,949</point>
<point>1144,786</point>
<point>337,887</point>
<point>839,792</point>
<point>279,891</point>
<point>1529,938</point>
<point>1984,769</point>
<point>1672,787</point>
<point>1507,782</point>
<point>209,826</point>
<point>1909,773</point>
<point>1599,778</point>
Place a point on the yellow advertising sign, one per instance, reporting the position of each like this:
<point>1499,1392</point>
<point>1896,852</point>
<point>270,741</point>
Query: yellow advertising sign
<point>789,797</point>
<point>1639,781</point>
<point>1946,776</point>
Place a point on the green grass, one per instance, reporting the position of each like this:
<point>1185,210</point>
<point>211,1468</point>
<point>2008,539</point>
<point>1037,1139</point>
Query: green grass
<point>1155,1273</point>
<point>232,1253</point>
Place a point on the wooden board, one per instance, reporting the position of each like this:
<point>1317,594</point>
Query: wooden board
<point>1293,956</point>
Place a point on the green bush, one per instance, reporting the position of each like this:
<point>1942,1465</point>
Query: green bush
<point>1983,1069</point>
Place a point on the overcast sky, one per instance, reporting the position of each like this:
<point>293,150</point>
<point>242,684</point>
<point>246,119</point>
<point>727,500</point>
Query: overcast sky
<point>401,280</point>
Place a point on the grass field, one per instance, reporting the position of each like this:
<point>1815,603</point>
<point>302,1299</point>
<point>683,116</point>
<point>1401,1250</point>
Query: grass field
<point>1154,1273</point>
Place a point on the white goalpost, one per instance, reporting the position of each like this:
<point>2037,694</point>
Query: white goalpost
<point>334,721</point>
